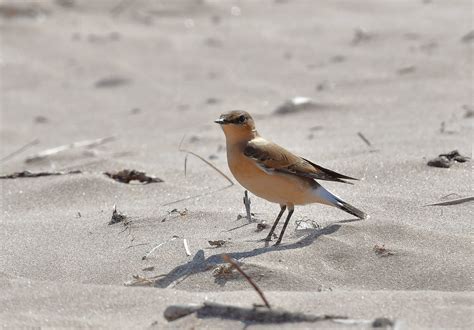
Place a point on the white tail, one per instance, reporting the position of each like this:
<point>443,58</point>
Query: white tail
<point>326,197</point>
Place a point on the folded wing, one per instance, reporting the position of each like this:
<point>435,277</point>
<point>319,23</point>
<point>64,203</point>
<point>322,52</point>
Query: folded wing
<point>270,157</point>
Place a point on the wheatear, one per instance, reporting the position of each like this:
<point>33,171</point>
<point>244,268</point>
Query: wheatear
<point>275,174</point>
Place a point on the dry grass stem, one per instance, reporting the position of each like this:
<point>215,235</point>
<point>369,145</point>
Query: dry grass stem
<point>188,152</point>
<point>248,278</point>
<point>205,161</point>
<point>453,202</point>
<point>367,142</point>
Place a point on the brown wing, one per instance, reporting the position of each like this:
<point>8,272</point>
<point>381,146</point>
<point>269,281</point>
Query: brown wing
<point>273,158</point>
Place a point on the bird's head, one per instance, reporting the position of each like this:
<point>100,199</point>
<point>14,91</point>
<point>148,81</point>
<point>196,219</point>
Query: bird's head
<point>237,124</point>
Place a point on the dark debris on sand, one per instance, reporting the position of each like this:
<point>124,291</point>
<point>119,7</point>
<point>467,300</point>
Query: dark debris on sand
<point>117,217</point>
<point>382,251</point>
<point>217,243</point>
<point>125,176</point>
<point>448,159</point>
<point>263,315</point>
<point>28,174</point>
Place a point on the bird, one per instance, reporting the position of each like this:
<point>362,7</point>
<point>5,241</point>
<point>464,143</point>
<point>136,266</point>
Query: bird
<point>275,174</point>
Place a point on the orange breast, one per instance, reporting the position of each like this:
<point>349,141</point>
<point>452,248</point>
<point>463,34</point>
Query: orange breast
<point>274,186</point>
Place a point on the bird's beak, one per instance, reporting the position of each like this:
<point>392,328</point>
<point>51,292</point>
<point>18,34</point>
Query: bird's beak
<point>220,121</point>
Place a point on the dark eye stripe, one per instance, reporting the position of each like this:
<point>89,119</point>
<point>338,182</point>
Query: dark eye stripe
<point>238,120</point>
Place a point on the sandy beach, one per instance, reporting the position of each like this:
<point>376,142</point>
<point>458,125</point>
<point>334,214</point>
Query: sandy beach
<point>153,75</point>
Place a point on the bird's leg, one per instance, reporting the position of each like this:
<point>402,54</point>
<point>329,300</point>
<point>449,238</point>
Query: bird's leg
<point>290,213</point>
<point>269,236</point>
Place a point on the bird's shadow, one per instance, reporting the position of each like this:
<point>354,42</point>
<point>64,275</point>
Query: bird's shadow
<point>201,264</point>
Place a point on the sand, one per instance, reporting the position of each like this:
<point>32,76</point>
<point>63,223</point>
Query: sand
<point>399,72</point>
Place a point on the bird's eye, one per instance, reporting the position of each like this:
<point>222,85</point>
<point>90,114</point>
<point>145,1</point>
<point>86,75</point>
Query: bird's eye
<point>241,119</point>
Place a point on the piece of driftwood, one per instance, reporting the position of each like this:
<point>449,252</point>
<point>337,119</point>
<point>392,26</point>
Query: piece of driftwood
<point>86,143</point>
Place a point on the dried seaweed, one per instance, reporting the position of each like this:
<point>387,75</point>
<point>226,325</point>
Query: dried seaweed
<point>28,174</point>
<point>448,159</point>
<point>117,216</point>
<point>261,226</point>
<point>382,251</point>
<point>125,176</point>
<point>217,243</point>
<point>223,271</point>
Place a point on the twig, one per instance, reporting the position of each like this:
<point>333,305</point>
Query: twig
<point>86,143</point>
<point>157,246</point>
<point>247,206</point>
<point>132,246</point>
<point>453,202</point>
<point>139,280</point>
<point>186,247</point>
<point>185,164</point>
<point>20,150</point>
<point>248,278</point>
<point>238,227</point>
<point>364,139</point>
